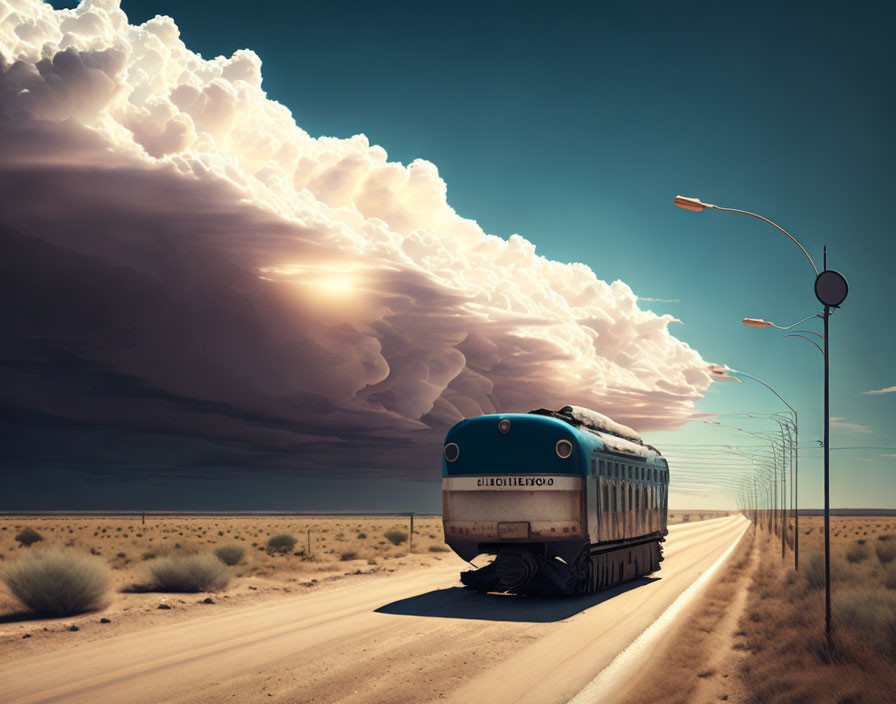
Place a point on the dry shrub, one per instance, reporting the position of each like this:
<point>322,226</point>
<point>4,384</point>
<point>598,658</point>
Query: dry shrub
<point>439,548</point>
<point>871,612</point>
<point>856,553</point>
<point>281,543</point>
<point>396,536</point>
<point>890,577</point>
<point>28,536</point>
<point>230,554</point>
<point>813,570</point>
<point>886,552</point>
<point>57,581</point>
<point>199,572</point>
<point>348,555</point>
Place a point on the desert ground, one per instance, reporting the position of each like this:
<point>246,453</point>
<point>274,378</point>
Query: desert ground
<point>327,548</point>
<point>358,619</point>
<point>757,634</point>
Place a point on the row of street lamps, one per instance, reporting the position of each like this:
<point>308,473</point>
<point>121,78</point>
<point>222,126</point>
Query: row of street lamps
<point>831,290</point>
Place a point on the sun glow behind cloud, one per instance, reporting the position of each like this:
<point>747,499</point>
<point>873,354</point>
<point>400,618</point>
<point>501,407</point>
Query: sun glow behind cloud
<point>312,268</point>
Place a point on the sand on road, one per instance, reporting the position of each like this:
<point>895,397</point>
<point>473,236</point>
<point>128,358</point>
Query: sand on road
<point>412,636</point>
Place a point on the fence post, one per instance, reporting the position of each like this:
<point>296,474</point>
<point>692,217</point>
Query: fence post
<point>309,543</point>
<point>411,539</point>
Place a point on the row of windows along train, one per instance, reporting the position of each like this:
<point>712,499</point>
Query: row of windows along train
<point>567,502</point>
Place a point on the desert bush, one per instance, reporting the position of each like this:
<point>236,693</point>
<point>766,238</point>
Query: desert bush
<point>362,536</point>
<point>199,572</point>
<point>886,552</point>
<point>889,577</point>
<point>813,570</point>
<point>439,548</point>
<point>230,554</point>
<point>28,536</point>
<point>396,536</point>
<point>685,518</point>
<point>348,555</point>
<point>57,581</point>
<point>856,553</point>
<point>282,543</point>
<point>871,613</point>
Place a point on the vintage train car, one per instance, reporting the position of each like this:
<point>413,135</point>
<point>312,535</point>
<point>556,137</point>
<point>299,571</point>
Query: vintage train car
<point>568,501</point>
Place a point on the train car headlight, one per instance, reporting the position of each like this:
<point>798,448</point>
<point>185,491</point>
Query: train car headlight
<point>504,425</point>
<point>564,449</point>
<point>452,451</point>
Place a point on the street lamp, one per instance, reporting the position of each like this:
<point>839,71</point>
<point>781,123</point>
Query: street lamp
<point>793,412</point>
<point>719,374</point>
<point>760,323</point>
<point>831,290</point>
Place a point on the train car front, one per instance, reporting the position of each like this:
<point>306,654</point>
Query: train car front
<point>512,486</point>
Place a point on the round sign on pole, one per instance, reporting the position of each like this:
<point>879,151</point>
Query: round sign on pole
<point>831,288</point>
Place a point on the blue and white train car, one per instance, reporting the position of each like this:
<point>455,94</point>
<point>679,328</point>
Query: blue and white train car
<point>568,501</point>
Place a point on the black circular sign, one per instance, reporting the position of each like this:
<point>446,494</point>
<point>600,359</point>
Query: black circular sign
<point>831,288</point>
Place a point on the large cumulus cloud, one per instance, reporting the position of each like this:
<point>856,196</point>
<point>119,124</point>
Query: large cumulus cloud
<point>179,257</point>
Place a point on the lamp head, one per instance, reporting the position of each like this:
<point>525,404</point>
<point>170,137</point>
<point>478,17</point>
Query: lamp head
<point>719,372</point>
<point>690,203</point>
<point>756,323</point>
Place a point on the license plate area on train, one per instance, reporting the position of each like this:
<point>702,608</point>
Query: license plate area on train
<point>515,529</point>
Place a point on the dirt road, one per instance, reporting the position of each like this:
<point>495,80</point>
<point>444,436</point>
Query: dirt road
<point>408,637</point>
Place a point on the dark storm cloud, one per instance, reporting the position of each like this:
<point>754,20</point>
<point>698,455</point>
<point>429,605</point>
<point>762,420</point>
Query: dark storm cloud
<point>184,269</point>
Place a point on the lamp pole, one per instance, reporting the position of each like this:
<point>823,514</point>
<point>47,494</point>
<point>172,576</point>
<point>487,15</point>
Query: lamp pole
<point>831,290</point>
<point>725,369</point>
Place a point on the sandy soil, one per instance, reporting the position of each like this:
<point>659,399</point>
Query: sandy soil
<point>405,636</point>
<point>340,547</point>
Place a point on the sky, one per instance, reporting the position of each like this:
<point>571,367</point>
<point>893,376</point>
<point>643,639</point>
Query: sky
<point>199,382</point>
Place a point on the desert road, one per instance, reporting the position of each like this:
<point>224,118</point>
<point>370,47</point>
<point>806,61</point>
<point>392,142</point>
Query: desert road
<point>413,636</point>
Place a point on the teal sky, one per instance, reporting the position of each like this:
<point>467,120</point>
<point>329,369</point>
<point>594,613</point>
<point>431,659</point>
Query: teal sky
<point>575,126</point>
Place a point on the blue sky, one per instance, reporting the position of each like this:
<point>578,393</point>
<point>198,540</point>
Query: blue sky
<point>575,126</point>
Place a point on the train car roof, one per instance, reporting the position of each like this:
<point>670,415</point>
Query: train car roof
<point>592,420</point>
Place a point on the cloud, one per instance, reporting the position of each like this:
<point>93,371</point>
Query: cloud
<point>854,427</point>
<point>876,392</point>
<point>887,455</point>
<point>659,300</point>
<point>179,257</point>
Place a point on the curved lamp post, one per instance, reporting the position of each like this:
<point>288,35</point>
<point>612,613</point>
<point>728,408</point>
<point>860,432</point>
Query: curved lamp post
<point>793,412</point>
<point>831,290</point>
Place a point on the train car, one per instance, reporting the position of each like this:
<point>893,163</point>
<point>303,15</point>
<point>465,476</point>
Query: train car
<point>568,501</point>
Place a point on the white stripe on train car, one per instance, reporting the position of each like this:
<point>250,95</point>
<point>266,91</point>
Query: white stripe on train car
<point>511,482</point>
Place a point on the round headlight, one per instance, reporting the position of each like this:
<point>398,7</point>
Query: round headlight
<point>564,449</point>
<point>452,451</point>
<point>504,425</point>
